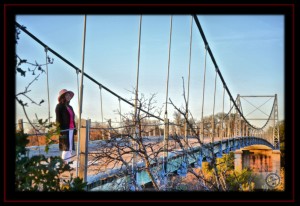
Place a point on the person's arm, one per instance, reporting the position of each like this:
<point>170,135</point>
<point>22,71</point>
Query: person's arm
<point>75,129</point>
<point>58,113</point>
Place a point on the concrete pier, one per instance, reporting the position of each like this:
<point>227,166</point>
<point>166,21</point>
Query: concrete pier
<point>261,161</point>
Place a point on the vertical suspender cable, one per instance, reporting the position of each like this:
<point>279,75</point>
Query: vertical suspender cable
<point>188,93</point>
<point>101,111</point>
<point>46,50</point>
<point>167,90</point>
<point>136,100</point>
<point>213,116</point>
<point>229,120</point>
<point>166,132</point>
<point>77,72</point>
<point>101,104</point>
<point>120,116</point>
<point>236,117</point>
<point>202,123</point>
<point>222,132</point>
<point>81,93</point>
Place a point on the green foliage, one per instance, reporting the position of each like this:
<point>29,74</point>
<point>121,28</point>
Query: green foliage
<point>237,181</point>
<point>76,184</point>
<point>226,162</point>
<point>282,131</point>
<point>21,142</point>
<point>181,187</point>
<point>281,186</point>
<point>281,125</point>
<point>240,181</point>
<point>53,129</point>
<point>230,179</point>
<point>39,173</point>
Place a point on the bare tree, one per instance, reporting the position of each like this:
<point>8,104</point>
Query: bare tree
<point>134,152</point>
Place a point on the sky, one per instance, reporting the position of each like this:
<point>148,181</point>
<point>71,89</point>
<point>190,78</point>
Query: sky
<point>249,50</point>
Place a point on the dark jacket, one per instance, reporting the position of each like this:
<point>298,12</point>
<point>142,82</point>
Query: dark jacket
<point>63,118</point>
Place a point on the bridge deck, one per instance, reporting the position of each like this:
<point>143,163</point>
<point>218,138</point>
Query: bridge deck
<point>100,167</point>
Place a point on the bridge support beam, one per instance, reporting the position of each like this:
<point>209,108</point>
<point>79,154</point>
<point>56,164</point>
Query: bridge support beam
<point>276,161</point>
<point>238,166</point>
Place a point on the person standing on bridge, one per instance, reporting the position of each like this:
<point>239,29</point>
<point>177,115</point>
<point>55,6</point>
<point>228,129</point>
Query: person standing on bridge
<point>65,117</point>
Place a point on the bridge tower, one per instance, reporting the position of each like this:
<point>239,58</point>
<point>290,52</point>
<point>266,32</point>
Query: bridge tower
<point>276,140</point>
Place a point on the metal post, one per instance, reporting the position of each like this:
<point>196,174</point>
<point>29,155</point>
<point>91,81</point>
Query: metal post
<point>20,125</point>
<point>81,94</point>
<point>85,132</point>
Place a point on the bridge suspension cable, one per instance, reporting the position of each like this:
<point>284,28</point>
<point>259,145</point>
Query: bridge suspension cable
<point>236,104</point>
<point>78,70</point>
<point>218,71</point>
<point>86,75</point>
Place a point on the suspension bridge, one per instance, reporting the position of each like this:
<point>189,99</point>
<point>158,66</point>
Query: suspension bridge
<point>137,152</point>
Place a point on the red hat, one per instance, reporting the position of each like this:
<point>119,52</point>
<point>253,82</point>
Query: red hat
<point>64,91</point>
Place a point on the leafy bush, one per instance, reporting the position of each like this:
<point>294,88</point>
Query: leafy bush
<point>39,173</point>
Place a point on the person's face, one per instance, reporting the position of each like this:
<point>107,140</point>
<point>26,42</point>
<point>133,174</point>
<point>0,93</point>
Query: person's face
<point>68,97</point>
